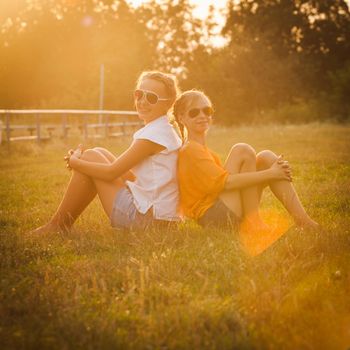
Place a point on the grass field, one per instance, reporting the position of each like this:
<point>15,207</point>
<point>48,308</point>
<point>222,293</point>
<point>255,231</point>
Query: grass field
<point>96,288</point>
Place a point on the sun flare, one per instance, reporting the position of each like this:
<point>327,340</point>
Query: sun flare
<point>201,6</point>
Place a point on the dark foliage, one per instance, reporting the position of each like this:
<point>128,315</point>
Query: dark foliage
<point>281,55</point>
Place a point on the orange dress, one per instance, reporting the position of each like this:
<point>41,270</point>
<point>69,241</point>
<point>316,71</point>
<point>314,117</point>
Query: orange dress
<point>201,178</point>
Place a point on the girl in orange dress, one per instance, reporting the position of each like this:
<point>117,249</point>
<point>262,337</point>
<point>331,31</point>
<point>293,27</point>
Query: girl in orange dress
<point>216,194</point>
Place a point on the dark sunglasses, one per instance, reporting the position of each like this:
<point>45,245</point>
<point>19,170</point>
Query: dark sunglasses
<point>151,97</point>
<point>194,112</point>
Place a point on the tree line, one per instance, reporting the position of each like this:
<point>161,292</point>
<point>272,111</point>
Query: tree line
<point>284,60</point>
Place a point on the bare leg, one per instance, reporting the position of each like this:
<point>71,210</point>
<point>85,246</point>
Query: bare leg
<point>285,192</point>
<point>254,234</point>
<point>246,201</point>
<point>80,192</point>
<point>111,157</point>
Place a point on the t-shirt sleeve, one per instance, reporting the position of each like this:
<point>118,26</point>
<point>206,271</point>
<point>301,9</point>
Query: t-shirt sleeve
<point>205,173</point>
<point>216,158</point>
<point>164,136</point>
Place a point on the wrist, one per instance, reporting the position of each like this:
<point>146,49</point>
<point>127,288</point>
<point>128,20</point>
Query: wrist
<point>269,175</point>
<point>77,153</point>
<point>73,161</point>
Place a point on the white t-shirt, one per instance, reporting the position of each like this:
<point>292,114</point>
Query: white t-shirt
<point>156,180</point>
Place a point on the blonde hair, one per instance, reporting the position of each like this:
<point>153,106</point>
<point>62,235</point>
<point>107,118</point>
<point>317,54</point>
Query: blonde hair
<point>181,105</point>
<point>168,80</point>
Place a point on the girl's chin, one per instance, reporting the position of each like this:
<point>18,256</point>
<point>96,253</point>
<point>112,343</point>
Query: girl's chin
<point>147,117</point>
<point>143,115</point>
<point>203,128</point>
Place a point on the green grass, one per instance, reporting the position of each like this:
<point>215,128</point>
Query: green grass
<point>179,289</point>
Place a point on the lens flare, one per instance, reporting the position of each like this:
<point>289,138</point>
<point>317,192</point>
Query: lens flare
<point>256,237</point>
<point>87,21</point>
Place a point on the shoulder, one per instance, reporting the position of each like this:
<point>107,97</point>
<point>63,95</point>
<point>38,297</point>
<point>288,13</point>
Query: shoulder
<point>215,155</point>
<point>160,131</point>
<point>194,150</point>
<point>194,147</point>
<point>190,146</point>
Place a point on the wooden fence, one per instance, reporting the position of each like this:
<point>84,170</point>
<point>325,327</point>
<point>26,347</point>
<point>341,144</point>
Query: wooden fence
<point>39,131</point>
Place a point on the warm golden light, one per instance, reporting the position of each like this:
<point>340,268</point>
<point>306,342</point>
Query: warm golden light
<point>201,6</point>
<point>201,11</point>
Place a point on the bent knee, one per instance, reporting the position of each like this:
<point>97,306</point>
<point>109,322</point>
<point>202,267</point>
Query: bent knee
<point>99,149</point>
<point>91,155</point>
<point>265,159</point>
<point>244,150</point>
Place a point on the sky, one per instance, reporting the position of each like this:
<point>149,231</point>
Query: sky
<point>201,5</point>
<point>201,11</point>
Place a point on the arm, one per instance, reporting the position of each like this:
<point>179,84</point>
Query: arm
<point>280,170</point>
<point>137,152</point>
<point>128,176</point>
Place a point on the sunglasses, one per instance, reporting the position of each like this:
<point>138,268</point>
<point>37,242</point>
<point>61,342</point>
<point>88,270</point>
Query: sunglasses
<point>194,112</point>
<point>151,97</point>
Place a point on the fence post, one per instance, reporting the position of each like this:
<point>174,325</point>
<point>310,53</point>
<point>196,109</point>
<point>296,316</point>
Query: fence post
<point>124,128</point>
<point>8,130</point>
<point>1,129</point>
<point>106,125</point>
<point>38,136</point>
<point>85,128</point>
<point>64,125</point>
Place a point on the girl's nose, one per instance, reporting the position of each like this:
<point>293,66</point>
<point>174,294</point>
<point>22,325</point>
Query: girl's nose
<point>142,101</point>
<point>203,115</point>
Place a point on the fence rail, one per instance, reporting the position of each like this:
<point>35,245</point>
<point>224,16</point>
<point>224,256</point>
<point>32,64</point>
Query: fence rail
<point>105,128</point>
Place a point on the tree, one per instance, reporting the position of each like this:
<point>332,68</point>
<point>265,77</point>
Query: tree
<point>176,32</point>
<point>313,31</point>
<point>53,51</point>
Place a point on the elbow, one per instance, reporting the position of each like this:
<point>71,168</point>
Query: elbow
<point>109,176</point>
<point>112,173</point>
<point>230,187</point>
<point>230,184</point>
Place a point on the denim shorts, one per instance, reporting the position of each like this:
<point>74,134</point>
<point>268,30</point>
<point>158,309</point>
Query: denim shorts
<point>219,215</point>
<point>126,216</point>
<point>124,213</point>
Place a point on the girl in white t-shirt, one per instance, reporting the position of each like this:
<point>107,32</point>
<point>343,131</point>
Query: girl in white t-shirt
<point>139,187</point>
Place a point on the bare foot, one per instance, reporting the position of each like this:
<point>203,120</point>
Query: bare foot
<point>308,223</point>
<point>49,227</point>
